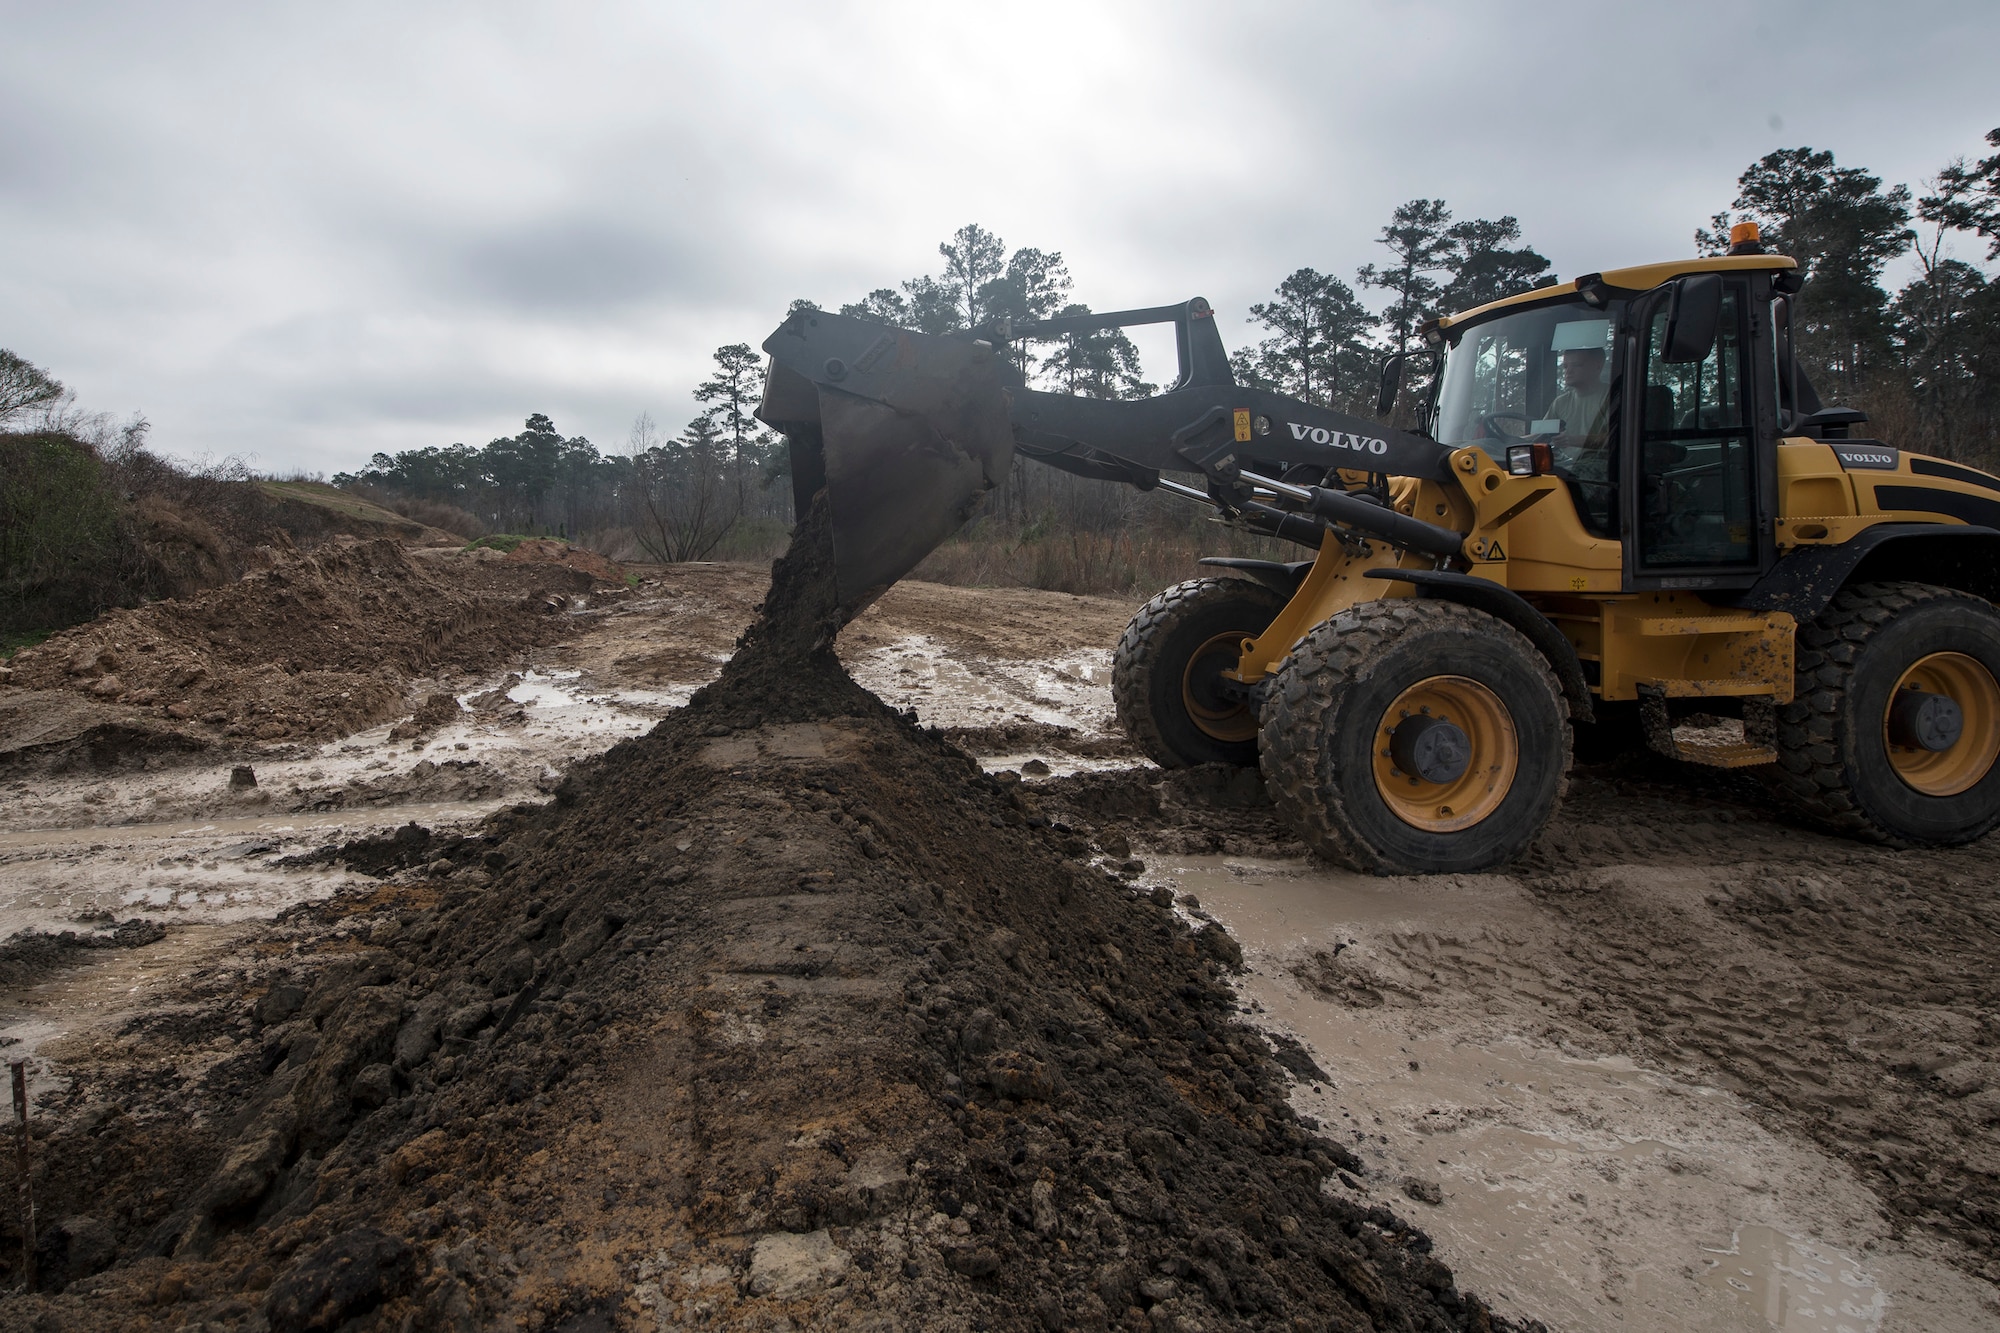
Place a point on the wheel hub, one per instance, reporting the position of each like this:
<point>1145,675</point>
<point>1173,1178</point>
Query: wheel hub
<point>1942,724</point>
<point>1445,754</point>
<point>1211,703</point>
<point>1430,749</point>
<point>1922,721</point>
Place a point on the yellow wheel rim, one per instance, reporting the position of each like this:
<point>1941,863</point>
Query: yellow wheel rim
<point>1216,714</point>
<point>1967,683</point>
<point>1446,807</point>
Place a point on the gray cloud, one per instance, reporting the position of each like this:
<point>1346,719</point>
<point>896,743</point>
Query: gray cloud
<point>312,234</point>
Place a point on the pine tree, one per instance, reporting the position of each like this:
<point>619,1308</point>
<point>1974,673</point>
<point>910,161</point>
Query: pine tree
<point>1319,348</point>
<point>1963,198</point>
<point>1486,264</point>
<point>973,258</point>
<point>733,392</point>
<point>1102,363</point>
<point>1419,237</point>
<point>1842,227</point>
<point>885,304</point>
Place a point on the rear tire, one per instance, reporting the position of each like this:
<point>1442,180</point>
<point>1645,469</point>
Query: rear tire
<point>1837,763</point>
<point>1333,754</point>
<point>1164,676</point>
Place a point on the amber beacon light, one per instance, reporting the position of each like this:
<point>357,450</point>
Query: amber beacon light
<point>1746,238</point>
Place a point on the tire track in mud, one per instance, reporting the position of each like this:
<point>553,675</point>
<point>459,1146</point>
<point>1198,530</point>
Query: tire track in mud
<point>1847,991</point>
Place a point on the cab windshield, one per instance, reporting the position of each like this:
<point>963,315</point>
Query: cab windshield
<point>1546,374</point>
<point>1541,373</point>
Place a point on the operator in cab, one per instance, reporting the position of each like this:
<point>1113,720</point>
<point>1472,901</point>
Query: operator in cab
<point>1578,417</point>
<point>1583,403</point>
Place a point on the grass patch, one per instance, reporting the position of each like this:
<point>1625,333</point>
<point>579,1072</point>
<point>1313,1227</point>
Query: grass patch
<point>332,497</point>
<point>14,641</point>
<point>506,541</point>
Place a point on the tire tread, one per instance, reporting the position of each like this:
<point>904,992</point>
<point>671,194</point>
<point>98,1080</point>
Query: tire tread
<point>1338,652</point>
<point>1811,774</point>
<point>1137,655</point>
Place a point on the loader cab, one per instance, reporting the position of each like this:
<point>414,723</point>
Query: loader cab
<point>1670,449</point>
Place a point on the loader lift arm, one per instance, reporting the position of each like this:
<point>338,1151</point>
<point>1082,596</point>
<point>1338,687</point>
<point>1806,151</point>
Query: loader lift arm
<point>906,430</point>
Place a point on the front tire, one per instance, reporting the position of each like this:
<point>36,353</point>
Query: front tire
<point>1409,736</point>
<point>1165,677</point>
<point>1851,760</point>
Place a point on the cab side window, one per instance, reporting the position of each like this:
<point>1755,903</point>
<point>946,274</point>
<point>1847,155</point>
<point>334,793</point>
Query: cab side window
<point>1697,465</point>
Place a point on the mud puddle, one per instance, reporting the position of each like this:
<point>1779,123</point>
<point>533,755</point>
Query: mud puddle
<point>186,872</point>
<point>1585,1190</point>
<point>37,1020</point>
<point>1053,762</point>
<point>951,688</point>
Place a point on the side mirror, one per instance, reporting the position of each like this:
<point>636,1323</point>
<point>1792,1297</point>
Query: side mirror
<point>1392,383</point>
<point>1694,312</point>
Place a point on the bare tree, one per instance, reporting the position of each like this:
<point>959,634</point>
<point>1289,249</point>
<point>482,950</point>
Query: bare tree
<point>684,502</point>
<point>24,387</point>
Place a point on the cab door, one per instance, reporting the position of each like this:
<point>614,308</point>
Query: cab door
<point>1695,516</point>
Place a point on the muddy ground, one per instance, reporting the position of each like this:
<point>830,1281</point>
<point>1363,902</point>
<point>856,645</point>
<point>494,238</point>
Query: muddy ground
<point>1686,1066</point>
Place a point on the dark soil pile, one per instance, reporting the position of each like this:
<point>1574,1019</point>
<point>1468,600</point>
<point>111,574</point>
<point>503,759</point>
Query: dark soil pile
<point>783,1016</point>
<point>317,646</point>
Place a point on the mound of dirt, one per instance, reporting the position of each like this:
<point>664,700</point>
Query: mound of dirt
<point>302,503</point>
<point>314,647</point>
<point>547,551</point>
<point>782,1016</point>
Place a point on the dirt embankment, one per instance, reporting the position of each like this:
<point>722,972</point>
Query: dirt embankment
<point>782,1016</point>
<point>314,647</point>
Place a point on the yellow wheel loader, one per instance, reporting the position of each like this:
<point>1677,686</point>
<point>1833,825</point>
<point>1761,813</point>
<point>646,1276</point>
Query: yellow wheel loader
<point>1625,508</point>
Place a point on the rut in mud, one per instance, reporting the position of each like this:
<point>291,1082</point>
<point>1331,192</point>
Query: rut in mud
<point>782,1012</point>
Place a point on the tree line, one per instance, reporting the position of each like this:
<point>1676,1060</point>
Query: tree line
<point>1922,361</point>
<point>677,498</point>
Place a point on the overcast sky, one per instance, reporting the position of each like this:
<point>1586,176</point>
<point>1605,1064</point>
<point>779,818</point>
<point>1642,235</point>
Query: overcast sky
<point>302,234</point>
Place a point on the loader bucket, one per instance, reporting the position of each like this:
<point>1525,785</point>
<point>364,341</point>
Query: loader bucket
<point>904,431</point>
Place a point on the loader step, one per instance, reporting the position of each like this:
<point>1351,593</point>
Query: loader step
<point>1724,751</point>
<point>1724,754</point>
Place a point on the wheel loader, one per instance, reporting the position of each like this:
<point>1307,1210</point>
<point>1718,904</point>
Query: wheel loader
<point>1624,513</point>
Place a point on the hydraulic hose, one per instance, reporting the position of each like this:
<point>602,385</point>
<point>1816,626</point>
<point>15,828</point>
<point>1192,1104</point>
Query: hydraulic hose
<point>1276,522</point>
